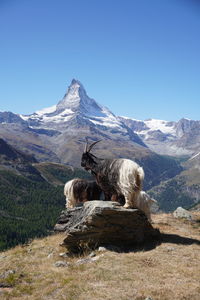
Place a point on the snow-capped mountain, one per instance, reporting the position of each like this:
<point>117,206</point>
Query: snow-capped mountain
<point>57,134</point>
<point>74,103</point>
<point>78,115</point>
<point>54,131</point>
<point>168,138</point>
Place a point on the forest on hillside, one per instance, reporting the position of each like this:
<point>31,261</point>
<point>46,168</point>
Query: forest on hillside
<point>29,208</point>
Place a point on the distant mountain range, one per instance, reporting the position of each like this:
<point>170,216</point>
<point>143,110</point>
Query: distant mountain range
<point>52,133</point>
<point>57,134</point>
<point>49,133</point>
<point>40,152</point>
<point>169,138</point>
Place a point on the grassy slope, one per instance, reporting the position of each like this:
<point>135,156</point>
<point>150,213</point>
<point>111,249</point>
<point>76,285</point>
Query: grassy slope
<point>168,271</point>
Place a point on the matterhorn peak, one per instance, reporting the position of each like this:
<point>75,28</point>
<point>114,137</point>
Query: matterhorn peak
<point>76,87</point>
<point>77,100</point>
<point>75,81</point>
<point>76,104</point>
<point>74,98</point>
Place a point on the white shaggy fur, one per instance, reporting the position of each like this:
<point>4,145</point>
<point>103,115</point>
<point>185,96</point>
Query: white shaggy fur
<point>68,192</point>
<point>116,177</point>
<point>144,202</point>
<point>80,190</point>
<point>128,172</point>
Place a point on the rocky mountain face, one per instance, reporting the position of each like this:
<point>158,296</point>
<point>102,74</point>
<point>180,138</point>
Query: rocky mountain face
<point>57,134</point>
<point>76,111</point>
<point>49,133</point>
<point>10,154</point>
<point>16,161</point>
<point>168,138</point>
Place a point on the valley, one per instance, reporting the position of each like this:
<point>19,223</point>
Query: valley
<point>41,151</point>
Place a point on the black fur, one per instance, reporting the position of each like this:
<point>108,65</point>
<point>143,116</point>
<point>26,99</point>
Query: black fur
<point>109,176</point>
<point>86,190</point>
<point>106,176</point>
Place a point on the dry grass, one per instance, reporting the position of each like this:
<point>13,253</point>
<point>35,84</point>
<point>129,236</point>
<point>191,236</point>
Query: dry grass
<point>169,271</point>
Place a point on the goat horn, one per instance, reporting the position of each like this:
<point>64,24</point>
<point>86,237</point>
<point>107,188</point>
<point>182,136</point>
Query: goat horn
<point>92,145</point>
<point>86,146</point>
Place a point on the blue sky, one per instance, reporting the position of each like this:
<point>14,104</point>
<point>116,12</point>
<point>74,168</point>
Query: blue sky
<point>139,58</point>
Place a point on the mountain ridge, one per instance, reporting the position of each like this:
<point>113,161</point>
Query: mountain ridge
<point>75,115</point>
<point>168,137</point>
<point>58,134</point>
<point>77,110</point>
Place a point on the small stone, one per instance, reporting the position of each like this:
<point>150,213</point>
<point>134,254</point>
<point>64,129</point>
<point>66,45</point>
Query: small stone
<point>92,254</point>
<point>61,264</point>
<point>102,249</point>
<point>83,261</point>
<point>7,274</point>
<point>169,249</point>
<point>50,255</point>
<point>88,259</point>
<point>63,254</point>
<point>97,257</point>
<point>5,285</point>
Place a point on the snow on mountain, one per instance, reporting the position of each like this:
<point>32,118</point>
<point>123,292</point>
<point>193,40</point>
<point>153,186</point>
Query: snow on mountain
<point>47,110</point>
<point>78,114</point>
<point>164,126</point>
<point>75,102</point>
<point>46,116</point>
<point>147,127</point>
<point>195,156</point>
<point>161,125</point>
<point>168,138</point>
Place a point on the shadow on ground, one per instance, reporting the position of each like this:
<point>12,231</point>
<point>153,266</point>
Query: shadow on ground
<point>150,245</point>
<point>177,239</point>
<point>164,238</point>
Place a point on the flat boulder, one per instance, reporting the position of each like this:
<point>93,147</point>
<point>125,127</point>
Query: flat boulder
<point>99,223</point>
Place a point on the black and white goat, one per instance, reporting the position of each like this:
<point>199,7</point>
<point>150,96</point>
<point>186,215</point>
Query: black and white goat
<point>79,190</point>
<point>116,177</point>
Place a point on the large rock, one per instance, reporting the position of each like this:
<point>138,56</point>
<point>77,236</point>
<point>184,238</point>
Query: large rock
<point>182,213</point>
<point>104,223</point>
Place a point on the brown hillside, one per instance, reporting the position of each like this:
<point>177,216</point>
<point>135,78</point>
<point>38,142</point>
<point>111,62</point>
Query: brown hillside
<point>169,270</point>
